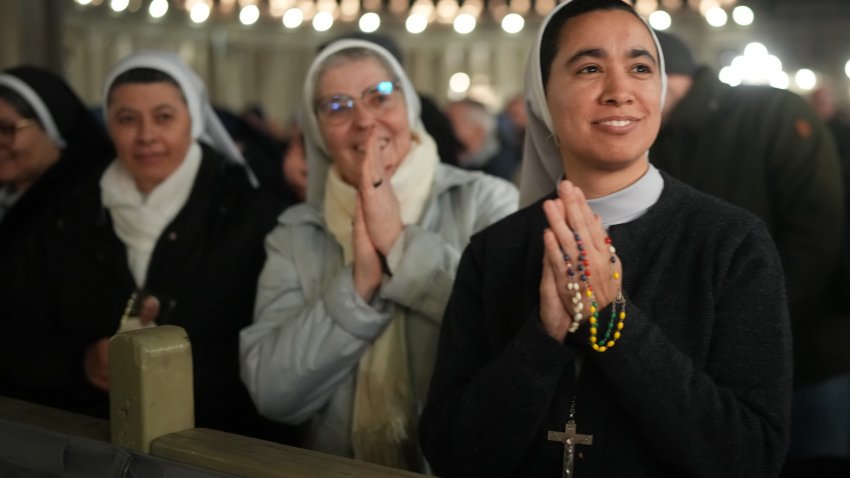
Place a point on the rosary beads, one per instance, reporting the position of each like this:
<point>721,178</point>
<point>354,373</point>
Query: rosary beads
<point>574,290</point>
<point>618,308</point>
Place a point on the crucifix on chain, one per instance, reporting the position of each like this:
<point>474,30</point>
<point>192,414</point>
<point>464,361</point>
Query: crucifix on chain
<point>570,438</point>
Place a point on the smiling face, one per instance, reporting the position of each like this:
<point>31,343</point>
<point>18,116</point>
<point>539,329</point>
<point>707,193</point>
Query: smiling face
<point>27,153</point>
<point>346,141</point>
<point>604,91</point>
<point>151,128</point>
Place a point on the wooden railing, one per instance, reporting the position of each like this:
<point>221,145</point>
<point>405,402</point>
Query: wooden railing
<point>152,412</point>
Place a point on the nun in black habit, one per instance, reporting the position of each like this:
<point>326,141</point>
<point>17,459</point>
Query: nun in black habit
<point>169,232</point>
<point>48,141</point>
<point>622,323</point>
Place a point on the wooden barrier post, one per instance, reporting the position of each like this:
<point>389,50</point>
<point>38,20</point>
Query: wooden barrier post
<point>150,374</point>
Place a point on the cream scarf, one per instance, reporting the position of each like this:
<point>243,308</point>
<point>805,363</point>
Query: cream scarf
<point>384,417</point>
<point>138,219</point>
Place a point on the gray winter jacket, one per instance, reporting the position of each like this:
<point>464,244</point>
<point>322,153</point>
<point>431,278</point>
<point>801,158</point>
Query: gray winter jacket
<point>299,359</point>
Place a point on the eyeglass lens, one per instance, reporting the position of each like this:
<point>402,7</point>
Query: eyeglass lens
<point>8,130</point>
<point>338,108</point>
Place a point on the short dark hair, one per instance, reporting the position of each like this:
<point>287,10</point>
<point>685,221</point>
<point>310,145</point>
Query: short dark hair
<point>549,40</point>
<point>677,56</point>
<point>143,76</point>
<point>18,103</point>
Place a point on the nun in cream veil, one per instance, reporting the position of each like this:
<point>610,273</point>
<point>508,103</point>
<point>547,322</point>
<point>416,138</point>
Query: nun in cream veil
<point>359,274</point>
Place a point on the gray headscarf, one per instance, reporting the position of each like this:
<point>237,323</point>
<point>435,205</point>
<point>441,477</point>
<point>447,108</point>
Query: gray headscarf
<point>205,123</point>
<point>542,167</point>
<point>318,161</point>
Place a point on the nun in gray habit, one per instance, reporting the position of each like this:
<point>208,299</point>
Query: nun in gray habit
<point>170,232</point>
<point>622,323</point>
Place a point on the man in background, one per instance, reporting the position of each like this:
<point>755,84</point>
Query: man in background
<point>765,150</point>
<point>480,148</point>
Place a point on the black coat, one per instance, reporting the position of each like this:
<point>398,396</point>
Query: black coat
<point>26,219</point>
<point>87,148</point>
<point>765,150</point>
<point>204,271</point>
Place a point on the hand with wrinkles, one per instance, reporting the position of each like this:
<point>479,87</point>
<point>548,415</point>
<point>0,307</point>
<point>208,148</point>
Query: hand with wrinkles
<point>381,209</point>
<point>377,222</point>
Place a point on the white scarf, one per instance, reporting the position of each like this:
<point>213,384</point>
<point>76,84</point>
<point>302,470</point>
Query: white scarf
<point>384,416</point>
<point>139,219</point>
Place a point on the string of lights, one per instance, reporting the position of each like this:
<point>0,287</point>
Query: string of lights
<point>417,15</point>
<point>755,65</point>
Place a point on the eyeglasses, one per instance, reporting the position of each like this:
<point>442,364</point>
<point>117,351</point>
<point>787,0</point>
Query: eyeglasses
<point>9,130</point>
<point>339,109</point>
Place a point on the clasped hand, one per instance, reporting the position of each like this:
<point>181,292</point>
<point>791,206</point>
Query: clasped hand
<point>567,216</point>
<point>96,356</point>
<point>377,220</point>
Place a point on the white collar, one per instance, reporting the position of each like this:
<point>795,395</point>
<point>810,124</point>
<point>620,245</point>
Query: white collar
<point>630,203</point>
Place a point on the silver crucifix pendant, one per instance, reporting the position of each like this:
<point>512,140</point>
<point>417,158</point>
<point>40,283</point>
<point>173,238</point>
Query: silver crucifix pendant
<point>570,438</point>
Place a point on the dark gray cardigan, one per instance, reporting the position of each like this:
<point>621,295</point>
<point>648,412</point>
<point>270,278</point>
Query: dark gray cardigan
<point>698,385</point>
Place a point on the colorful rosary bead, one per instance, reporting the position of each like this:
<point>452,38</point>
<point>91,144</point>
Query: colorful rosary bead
<point>615,323</point>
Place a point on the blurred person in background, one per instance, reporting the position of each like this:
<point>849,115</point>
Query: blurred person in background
<point>511,123</point>
<point>765,150</point>
<point>481,149</point>
<point>48,141</point>
<point>295,163</point>
<point>825,102</point>
<point>262,152</point>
